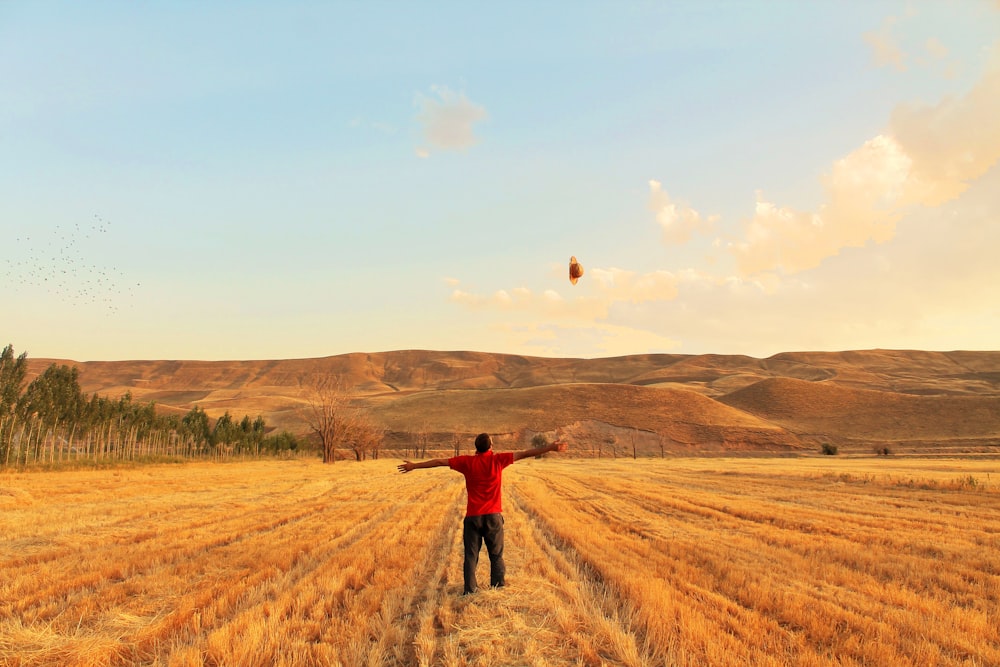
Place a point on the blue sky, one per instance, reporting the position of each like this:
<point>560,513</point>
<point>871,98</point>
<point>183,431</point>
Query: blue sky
<point>275,180</point>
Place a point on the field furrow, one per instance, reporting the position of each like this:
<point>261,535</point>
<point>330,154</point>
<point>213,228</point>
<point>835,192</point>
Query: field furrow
<point>648,562</point>
<point>760,569</point>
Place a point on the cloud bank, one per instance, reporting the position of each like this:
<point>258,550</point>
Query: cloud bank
<point>928,156</point>
<point>604,288</point>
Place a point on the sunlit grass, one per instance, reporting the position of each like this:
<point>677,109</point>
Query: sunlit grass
<point>806,561</point>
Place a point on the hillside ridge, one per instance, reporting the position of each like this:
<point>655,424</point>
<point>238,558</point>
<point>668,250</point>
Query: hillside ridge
<point>788,400</point>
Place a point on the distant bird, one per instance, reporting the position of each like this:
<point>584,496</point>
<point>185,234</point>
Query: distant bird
<point>59,264</point>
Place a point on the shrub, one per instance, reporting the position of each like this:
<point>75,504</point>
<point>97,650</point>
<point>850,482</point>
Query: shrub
<point>829,450</point>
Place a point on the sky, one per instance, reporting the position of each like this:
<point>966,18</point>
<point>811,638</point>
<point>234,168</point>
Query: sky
<point>263,180</point>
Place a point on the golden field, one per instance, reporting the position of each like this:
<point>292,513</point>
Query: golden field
<point>686,561</point>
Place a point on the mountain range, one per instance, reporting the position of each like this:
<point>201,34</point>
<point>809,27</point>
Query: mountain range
<point>901,401</point>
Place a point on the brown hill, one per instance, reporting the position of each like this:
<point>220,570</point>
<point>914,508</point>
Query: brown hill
<point>683,420</point>
<point>438,391</point>
<point>826,411</point>
<point>904,371</point>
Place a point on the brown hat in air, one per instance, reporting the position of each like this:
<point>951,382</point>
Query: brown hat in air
<point>575,270</point>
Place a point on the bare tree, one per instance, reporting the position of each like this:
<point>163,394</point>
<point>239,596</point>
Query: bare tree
<point>423,437</point>
<point>378,433</point>
<point>364,435</point>
<point>328,412</point>
<point>337,421</point>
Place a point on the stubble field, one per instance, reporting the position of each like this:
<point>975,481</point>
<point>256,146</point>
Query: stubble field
<point>811,561</point>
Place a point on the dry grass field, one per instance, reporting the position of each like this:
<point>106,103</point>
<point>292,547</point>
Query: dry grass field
<point>688,561</point>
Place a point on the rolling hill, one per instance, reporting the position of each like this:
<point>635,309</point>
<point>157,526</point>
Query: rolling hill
<point>791,401</point>
<point>842,415</point>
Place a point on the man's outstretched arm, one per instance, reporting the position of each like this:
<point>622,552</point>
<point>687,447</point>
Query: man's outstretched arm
<point>556,446</point>
<point>407,466</point>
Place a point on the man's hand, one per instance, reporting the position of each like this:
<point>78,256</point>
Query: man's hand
<point>406,466</point>
<point>538,451</point>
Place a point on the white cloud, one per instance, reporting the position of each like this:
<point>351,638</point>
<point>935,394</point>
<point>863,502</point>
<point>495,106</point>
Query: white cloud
<point>935,286</point>
<point>623,285</point>
<point>447,119</point>
<point>953,142</point>
<point>914,292</point>
<point>678,221</point>
<point>929,156</point>
<point>863,194</point>
<point>597,292</point>
<point>548,303</point>
<point>885,48</point>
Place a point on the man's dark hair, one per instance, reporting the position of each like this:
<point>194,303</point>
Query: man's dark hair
<point>483,442</point>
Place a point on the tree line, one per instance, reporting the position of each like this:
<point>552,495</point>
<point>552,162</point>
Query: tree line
<point>51,420</point>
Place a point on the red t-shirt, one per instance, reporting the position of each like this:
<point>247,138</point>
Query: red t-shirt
<point>482,480</point>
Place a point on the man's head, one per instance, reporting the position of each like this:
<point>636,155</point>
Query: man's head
<point>483,443</point>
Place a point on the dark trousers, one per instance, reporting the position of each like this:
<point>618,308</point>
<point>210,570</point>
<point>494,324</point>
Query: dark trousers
<point>476,530</point>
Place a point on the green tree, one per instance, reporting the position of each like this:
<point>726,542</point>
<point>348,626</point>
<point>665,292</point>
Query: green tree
<point>12,374</point>
<point>52,419</point>
<point>225,432</point>
<point>256,434</point>
<point>280,442</point>
<point>54,404</point>
<point>196,430</point>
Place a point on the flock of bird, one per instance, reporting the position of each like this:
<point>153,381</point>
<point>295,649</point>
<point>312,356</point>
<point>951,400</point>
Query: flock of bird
<point>62,264</point>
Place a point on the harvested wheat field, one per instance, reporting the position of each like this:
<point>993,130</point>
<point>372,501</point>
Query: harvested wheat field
<point>810,561</point>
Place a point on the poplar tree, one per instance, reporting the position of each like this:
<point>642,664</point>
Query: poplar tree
<point>12,374</point>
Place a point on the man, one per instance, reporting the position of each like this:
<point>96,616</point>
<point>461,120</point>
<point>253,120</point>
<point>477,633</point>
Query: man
<point>483,517</point>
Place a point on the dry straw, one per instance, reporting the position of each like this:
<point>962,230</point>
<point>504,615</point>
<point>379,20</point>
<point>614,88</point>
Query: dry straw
<point>648,562</point>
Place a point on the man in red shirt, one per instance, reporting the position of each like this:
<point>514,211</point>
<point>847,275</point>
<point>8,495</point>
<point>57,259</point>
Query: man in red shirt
<point>483,517</point>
